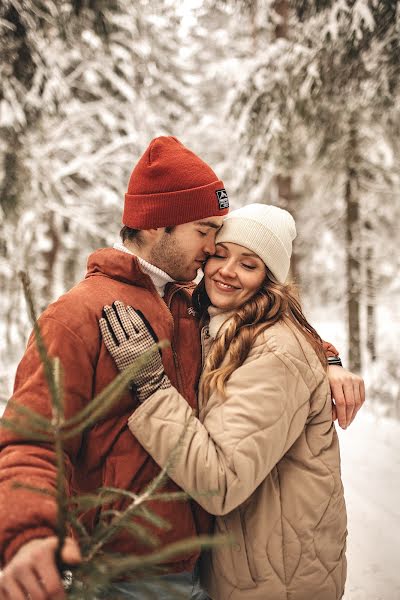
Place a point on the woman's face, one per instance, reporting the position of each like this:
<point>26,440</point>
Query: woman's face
<point>233,275</point>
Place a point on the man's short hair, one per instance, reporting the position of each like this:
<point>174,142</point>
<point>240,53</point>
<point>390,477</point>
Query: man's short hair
<point>131,235</point>
<point>134,235</point>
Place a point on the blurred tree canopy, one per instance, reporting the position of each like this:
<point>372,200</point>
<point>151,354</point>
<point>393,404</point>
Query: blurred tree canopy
<point>291,102</point>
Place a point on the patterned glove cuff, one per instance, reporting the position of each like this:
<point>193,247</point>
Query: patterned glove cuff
<point>147,390</point>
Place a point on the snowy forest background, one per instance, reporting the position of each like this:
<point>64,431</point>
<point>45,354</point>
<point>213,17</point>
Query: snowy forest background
<point>292,102</point>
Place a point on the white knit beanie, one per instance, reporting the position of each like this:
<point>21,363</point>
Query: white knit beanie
<point>264,229</point>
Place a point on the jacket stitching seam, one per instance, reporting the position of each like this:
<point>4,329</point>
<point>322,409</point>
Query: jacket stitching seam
<point>317,554</point>
<point>283,537</point>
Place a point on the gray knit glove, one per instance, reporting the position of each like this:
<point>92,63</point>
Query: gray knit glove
<point>127,335</point>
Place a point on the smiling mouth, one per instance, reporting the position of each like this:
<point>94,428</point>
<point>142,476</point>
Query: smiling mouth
<point>225,286</point>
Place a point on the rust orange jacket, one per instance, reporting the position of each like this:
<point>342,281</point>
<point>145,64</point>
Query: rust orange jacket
<point>107,454</point>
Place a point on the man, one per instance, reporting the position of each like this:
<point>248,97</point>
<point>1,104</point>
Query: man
<point>173,209</point>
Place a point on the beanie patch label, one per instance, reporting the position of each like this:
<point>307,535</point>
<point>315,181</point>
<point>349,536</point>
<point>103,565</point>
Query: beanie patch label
<point>222,197</point>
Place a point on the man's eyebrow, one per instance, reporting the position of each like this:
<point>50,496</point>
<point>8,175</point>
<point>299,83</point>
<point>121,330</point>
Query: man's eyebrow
<point>208,224</point>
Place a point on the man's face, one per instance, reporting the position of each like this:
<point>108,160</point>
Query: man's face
<point>182,252</point>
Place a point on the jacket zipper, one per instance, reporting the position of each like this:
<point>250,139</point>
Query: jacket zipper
<point>174,355</point>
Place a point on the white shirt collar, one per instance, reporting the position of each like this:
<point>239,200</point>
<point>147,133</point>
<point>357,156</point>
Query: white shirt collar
<point>158,277</point>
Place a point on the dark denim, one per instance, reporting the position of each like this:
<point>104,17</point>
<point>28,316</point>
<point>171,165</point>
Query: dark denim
<point>178,585</point>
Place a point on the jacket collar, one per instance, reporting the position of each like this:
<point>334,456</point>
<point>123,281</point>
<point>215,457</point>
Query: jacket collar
<point>219,320</point>
<point>125,267</point>
<point>116,265</point>
<point>158,277</point>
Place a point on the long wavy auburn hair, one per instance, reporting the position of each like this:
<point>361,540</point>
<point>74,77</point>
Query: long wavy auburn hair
<point>272,303</point>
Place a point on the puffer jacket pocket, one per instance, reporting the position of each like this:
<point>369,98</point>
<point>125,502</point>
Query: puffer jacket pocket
<point>232,560</point>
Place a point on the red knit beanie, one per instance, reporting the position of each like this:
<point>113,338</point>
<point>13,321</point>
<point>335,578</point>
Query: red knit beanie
<point>170,185</point>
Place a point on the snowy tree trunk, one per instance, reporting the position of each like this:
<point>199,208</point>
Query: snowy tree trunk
<point>285,193</point>
<point>353,270</point>
<point>50,258</point>
<point>21,67</point>
<point>11,189</point>
<point>281,8</point>
<point>284,182</point>
<point>370,295</point>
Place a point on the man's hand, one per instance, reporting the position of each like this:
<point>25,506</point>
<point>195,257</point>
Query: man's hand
<point>32,573</point>
<point>348,394</point>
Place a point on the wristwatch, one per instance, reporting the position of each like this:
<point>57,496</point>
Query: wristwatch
<point>334,360</point>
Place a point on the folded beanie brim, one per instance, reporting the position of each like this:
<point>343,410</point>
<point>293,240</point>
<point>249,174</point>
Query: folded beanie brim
<point>261,236</point>
<point>148,211</point>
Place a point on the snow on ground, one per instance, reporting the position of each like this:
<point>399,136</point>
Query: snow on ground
<point>370,451</point>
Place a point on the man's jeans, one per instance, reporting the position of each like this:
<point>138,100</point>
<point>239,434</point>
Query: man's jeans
<point>176,586</point>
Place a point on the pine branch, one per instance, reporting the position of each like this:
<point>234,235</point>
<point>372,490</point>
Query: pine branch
<point>98,567</point>
<point>61,492</point>
<point>137,505</point>
<point>44,357</point>
<point>107,397</point>
<point>32,416</point>
<point>25,432</point>
<point>54,377</point>
<point>129,564</point>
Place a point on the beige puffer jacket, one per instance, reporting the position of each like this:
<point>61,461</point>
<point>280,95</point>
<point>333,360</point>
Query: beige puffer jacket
<point>270,451</point>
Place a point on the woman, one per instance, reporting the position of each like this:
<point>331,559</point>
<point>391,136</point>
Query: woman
<point>264,442</point>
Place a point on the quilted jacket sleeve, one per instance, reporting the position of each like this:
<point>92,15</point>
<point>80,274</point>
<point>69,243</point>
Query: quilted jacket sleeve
<point>329,349</point>
<point>25,515</point>
<point>242,437</point>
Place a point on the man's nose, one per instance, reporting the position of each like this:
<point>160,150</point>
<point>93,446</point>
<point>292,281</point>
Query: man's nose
<point>209,246</point>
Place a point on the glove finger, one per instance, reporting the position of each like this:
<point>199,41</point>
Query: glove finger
<point>114,325</point>
<point>123,317</point>
<point>109,339</point>
<point>135,319</point>
<point>141,322</point>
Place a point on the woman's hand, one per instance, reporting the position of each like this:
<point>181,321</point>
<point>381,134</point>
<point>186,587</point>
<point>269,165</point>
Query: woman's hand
<point>127,335</point>
<point>348,394</point>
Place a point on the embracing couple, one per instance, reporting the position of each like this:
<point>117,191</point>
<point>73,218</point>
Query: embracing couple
<point>245,387</point>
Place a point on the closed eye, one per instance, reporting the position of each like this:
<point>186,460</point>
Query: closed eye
<point>250,267</point>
